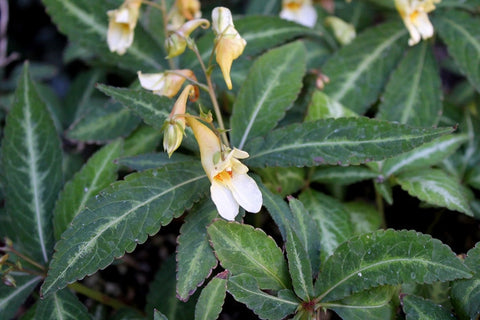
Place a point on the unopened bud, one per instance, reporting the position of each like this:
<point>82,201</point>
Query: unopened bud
<point>344,32</point>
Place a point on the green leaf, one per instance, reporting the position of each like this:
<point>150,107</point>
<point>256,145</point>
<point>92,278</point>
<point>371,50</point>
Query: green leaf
<point>245,289</point>
<point>62,305</point>
<point>299,266</point>
<point>211,299</point>
<point>386,257</point>
<point>157,315</point>
<point>104,123</point>
<point>426,155</point>
<point>417,308</point>
<point>322,107</point>
<point>359,70</point>
<point>273,83</point>
<point>342,175</point>
<point>97,174</point>
<point>153,160</point>
<point>384,188</point>
<point>161,295</point>
<point>331,219</point>
<point>32,167</point>
<point>195,258</point>
<point>435,187</point>
<point>268,7</point>
<point>413,93</point>
<point>459,31</point>
<point>466,293</point>
<point>364,217</point>
<point>144,139</point>
<point>122,216</point>
<point>283,181</point>
<point>11,298</point>
<point>128,314</point>
<point>242,249</point>
<point>86,22</point>
<point>374,304</point>
<point>336,141</point>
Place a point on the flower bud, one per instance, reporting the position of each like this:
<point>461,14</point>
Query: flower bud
<point>344,32</point>
<point>166,83</point>
<point>122,22</point>
<point>176,43</point>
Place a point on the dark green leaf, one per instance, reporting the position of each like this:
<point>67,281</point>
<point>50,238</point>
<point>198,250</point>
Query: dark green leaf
<point>97,174</point>
<point>195,258</point>
<point>272,85</point>
<point>268,7</point>
<point>342,175</point>
<point>143,140</point>
<point>323,107</point>
<point>336,141</point>
<point>386,257</point>
<point>157,315</point>
<point>365,217</point>
<point>459,31</point>
<point>86,22</point>
<point>435,187</point>
<point>413,93</point>
<point>211,299</point>
<point>384,188</point>
<point>424,156</point>
<point>245,289</point>
<point>32,168</point>
<point>128,314</point>
<point>242,249</point>
<point>283,181</point>
<point>153,160</point>
<point>11,298</point>
<point>417,308</point>
<point>299,266</point>
<point>122,216</point>
<point>62,305</point>
<point>359,70</point>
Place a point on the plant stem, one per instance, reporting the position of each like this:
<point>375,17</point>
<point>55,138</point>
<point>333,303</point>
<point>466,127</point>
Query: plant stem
<point>381,209</point>
<point>97,296</point>
<point>24,257</point>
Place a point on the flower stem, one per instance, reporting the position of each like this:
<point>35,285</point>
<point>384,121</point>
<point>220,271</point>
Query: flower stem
<point>24,257</point>
<point>97,296</point>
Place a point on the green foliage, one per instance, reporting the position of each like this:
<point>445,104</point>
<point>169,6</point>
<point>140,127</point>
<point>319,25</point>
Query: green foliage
<point>62,305</point>
<point>13,297</point>
<point>211,299</point>
<point>418,308</point>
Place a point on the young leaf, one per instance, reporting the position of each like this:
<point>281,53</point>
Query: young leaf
<point>86,22</point>
<point>435,187</point>
<point>459,31</point>
<point>211,299</point>
<point>336,141</point>
<point>424,156</point>
<point>242,249</point>
<point>386,257</point>
<point>466,293</point>
<point>342,175</point>
<point>245,289</point>
<point>331,219</point>
<point>272,85</point>
<point>122,216</point>
<point>359,70</point>
<point>300,267</point>
<point>417,308</point>
<point>157,315</point>
<point>97,174</point>
<point>161,295</point>
<point>32,166</point>
<point>152,108</point>
<point>413,93</point>
<point>384,188</point>
<point>195,258</point>
<point>11,298</point>
<point>62,305</point>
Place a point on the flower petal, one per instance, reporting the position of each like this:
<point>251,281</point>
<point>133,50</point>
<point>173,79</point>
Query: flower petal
<point>222,197</point>
<point>246,192</point>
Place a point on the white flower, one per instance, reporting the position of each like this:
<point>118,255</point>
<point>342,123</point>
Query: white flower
<point>166,83</point>
<point>300,11</point>
<point>415,17</point>
<point>121,26</point>
<point>231,186</point>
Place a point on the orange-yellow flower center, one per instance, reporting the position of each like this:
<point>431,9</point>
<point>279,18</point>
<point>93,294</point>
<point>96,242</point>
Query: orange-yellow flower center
<point>223,176</point>
<point>414,15</point>
<point>293,6</point>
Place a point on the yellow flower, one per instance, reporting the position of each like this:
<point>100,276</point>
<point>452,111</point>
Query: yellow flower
<point>174,127</point>
<point>300,11</point>
<point>166,83</point>
<point>190,9</point>
<point>415,17</point>
<point>231,186</point>
<point>229,44</point>
<point>122,22</point>
<point>176,43</point>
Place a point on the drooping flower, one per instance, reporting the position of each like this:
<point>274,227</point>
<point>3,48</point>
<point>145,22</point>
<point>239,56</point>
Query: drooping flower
<point>166,83</point>
<point>189,9</point>
<point>229,44</point>
<point>176,43</point>
<point>121,26</point>
<point>174,126</point>
<point>415,17</point>
<point>300,11</point>
<point>231,186</point>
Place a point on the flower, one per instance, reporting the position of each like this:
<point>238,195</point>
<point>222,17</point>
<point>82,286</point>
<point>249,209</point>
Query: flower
<point>190,9</point>
<point>166,83</point>
<point>300,11</point>
<point>176,43</point>
<point>231,186</point>
<point>415,17</point>
<point>174,126</point>
<point>229,44</point>
<point>122,22</point>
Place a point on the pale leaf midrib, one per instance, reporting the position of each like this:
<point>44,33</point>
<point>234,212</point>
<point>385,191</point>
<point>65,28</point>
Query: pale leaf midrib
<point>58,308</point>
<point>17,291</point>
<point>262,294</point>
<point>302,277</point>
<point>86,245</point>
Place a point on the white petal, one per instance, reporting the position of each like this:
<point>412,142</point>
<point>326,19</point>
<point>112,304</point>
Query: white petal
<point>222,197</point>
<point>152,81</point>
<point>306,15</point>
<point>246,192</point>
